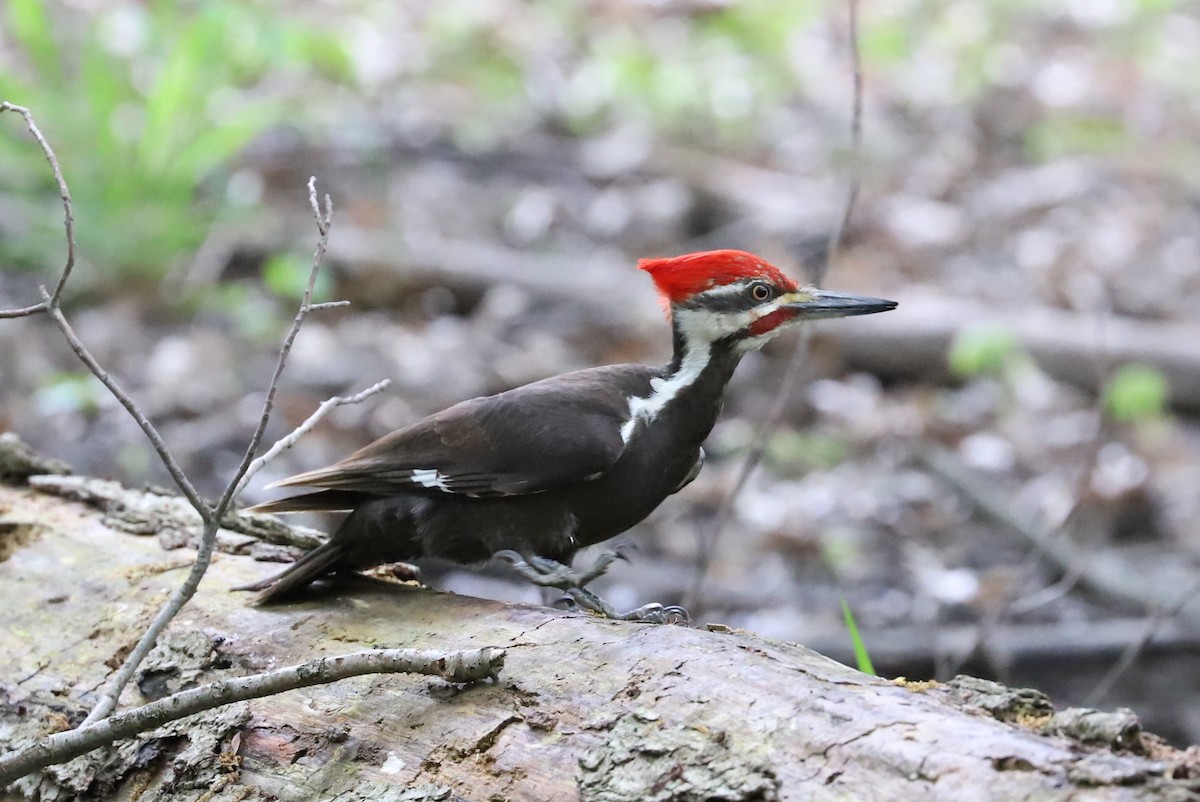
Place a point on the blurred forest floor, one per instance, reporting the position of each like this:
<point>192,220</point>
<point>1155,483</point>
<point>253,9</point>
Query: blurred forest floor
<point>497,168</point>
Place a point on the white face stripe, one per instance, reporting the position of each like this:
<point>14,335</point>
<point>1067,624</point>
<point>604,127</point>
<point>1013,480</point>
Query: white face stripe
<point>740,287</point>
<point>733,288</point>
<point>705,325</point>
<point>701,328</point>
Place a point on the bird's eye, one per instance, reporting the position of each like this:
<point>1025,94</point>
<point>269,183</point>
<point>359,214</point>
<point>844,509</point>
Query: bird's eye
<point>760,291</point>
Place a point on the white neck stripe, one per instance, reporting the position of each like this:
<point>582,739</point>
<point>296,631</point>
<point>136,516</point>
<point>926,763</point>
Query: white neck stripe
<point>700,328</point>
<point>663,390</point>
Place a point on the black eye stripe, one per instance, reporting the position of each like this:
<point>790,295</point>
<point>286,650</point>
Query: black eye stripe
<point>739,297</point>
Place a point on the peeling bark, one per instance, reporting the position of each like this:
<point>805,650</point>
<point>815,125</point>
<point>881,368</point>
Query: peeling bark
<point>588,709</point>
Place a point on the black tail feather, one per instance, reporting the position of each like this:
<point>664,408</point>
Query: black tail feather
<point>321,500</point>
<point>319,562</point>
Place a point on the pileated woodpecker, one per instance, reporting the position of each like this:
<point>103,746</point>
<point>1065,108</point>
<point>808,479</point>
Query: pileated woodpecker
<point>538,472</point>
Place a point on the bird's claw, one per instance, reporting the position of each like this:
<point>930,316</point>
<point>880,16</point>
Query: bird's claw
<point>653,613</point>
<point>548,573</point>
<point>659,614</point>
<point>552,574</point>
<point>540,571</point>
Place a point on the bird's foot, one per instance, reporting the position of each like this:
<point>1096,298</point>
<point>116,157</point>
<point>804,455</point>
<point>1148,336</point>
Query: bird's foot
<point>553,574</point>
<point>653,613</point>
<point>548,573</point>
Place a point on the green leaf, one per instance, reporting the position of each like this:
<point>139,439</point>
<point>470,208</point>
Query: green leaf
<point>861,657</point>
<point>982,350</point>
<point>218,144</point>
<point>886,42</point>
<point>286,275</point>
<point>1068,135</point>
<point>1136,392</point>
<point>73,392</point>
<point>173,99</point>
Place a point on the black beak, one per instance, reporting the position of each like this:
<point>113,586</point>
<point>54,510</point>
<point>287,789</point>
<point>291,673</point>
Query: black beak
<point>826,303</point>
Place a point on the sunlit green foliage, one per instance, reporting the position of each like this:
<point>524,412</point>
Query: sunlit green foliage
<point>146,105</point>
<point>840,549</point>
<point>983,351</point>
<point>1067,134</point>
<point>721,68</point>
<point>286,275</point>
<point>70,392</point>
<point>150,103</point>
<point>1136,393</point>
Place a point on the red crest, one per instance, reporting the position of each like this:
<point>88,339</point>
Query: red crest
<point>680,277</point>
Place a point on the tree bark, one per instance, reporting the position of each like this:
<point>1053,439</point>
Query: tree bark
<point>584,708</point>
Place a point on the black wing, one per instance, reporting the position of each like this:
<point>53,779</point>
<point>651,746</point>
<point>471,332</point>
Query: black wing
<point>527,440</point>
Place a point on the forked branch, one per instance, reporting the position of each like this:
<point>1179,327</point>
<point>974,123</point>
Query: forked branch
<point>99,728</point>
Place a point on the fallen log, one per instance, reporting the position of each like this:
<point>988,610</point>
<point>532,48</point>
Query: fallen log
<point>583,708</point>
<point>914,341</point>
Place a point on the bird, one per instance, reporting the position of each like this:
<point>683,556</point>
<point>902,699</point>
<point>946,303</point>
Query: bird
<point>534,474</point>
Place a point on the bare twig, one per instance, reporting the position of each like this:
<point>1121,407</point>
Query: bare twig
<point>106,378</point>
<point>50,305</point>
<point>68,222</point>
<point>99,728</point>
<point>287,442</point>
<point>708,540</point>
<point>1101,572</point>
<point>855,165</point>
<point>1056,543</point>
<point>470,665</point>
<point>324,221</point>
<point>212,516</point>
<point>1161,615</point>
<point>792,374</point>
<point>208,536</point>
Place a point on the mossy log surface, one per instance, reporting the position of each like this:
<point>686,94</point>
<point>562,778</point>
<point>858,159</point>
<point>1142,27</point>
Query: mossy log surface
<point>584,708</point>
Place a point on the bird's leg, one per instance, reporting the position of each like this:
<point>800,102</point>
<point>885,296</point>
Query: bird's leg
<point>581,578</point>
<point>549,573</point>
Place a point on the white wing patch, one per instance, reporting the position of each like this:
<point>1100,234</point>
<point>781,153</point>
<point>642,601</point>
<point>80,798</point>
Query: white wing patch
<point>429,477</point>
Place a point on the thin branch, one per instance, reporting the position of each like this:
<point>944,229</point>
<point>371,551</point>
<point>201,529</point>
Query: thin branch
<point>1074,570</point>
<point>97,729</point>
<point>181,596</point>
<point>212,516</point>
<point>470,665</point>
<point>50,305</point>
<point>106,378</point>
<point>1054,544</point>
<point>855,166</point>
<point>708,540</point>
<point>68,222</point>
<point>1135,647</point>
<point>791,375</point>
<point>324,222</point>
<point>285,443</point>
